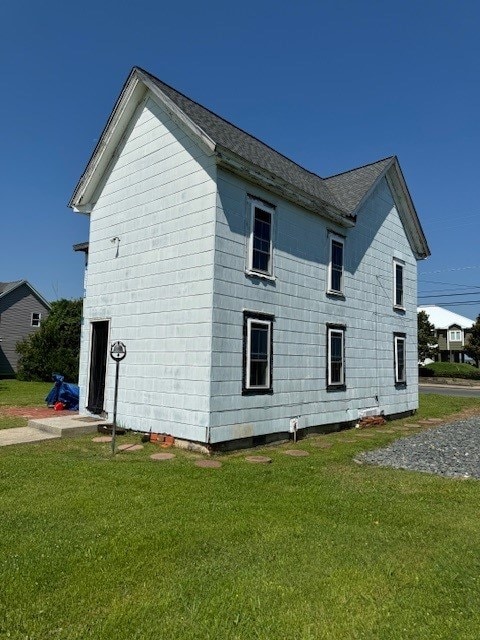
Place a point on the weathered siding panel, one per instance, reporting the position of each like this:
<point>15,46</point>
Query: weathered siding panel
<point>16,310</point>
<point>297,298</point>
<point>156,288</point>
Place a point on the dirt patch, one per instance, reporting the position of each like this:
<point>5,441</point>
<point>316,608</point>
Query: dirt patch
<point>33,412</point>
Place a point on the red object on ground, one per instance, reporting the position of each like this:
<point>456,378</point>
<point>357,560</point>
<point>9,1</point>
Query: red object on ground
<point>59,406</point>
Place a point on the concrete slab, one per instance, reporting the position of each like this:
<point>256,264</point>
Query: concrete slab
<point>22,435</point>
<point>65,426</point>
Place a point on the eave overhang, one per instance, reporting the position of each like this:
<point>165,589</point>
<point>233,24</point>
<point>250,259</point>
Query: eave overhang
<point>251,172</point>
<point>407,212</point>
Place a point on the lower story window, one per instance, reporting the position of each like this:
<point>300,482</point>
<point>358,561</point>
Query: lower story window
<point>336,357</point>
<point>399,342</point>
<point>257,352</point>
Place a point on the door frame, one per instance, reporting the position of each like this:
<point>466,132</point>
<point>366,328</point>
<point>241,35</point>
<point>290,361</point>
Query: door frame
<point>92,321</point>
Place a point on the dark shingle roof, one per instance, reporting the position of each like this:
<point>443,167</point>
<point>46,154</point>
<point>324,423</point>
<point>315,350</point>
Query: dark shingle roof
<point>351,186</point>
<point>6,286</point>
<point>246,146</point>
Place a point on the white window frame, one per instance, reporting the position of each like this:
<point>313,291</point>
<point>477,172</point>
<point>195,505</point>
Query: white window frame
<point>455,331</point>
<point>258,204</point>
<point>38,321</point>
<point>341,332</point>
<point>251,320</point>
<point>340,240</point>
<point>398,263</point>
<point>397,339</point>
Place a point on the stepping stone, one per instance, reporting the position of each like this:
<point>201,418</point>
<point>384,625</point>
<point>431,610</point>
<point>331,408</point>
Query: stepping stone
<point>160,457</point>
<point>296,453</point>
<point>366,435</point>
<point>258,459</point>
<point>434,420</point>
<point>130,447</point>
<point>208,464</point>
<point>385,430</point>
<point>347,440</point>
<point>102,439</point>
<point>321,445</point>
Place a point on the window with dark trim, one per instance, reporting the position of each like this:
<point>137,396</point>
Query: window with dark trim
<point>336,357</point>
<point>257,352</point>
<point>398,293</point>
<point>336,264</point>
<point>399,348</point>
<point>36,319</point>
<point>260,255</point>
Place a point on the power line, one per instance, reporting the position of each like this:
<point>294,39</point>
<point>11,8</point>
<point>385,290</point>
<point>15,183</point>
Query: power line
<point>448,295</point>
<point>453,284</point>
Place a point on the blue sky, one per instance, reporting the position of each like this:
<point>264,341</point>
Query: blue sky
<point>332,85</point>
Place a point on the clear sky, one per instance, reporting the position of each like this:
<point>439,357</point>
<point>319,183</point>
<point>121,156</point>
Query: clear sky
<point>333,85</point>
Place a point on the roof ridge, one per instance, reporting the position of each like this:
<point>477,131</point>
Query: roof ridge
<point>363,166</point>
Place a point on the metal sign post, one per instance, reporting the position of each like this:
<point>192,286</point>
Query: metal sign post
<point>118,351</point>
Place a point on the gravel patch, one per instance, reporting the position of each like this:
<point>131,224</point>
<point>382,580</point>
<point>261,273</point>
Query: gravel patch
<point>452,450</point>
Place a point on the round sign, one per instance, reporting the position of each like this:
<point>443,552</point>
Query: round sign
<point>118,350</point>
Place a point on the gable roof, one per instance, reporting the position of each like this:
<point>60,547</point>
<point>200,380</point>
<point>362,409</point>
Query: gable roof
<point>443,318</point>
<point>337,197</point>
<point>8,287</point>
<point>351,186</point>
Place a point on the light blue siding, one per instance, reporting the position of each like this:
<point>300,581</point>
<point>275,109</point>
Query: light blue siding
<point>298,300</point>
<point>159,200</point>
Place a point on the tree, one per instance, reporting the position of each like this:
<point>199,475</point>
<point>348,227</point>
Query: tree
<point>55,347</point>
<point>472,347</point>
<point>427,339</point>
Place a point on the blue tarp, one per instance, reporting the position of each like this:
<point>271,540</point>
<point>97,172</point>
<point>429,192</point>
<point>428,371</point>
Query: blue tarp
<point>64,392</point>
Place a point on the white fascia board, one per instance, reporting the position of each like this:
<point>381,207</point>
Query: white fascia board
<point>273,183</point>
<point>185,123</point>
<point>132,94</point>
<point>406,211</point>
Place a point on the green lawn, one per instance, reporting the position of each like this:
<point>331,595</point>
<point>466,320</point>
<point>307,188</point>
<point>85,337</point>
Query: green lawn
<point>304,548</point>
<point>16,393</point>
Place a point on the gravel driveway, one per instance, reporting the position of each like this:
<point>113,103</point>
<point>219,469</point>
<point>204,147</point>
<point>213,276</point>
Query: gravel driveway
<point>450,450</point>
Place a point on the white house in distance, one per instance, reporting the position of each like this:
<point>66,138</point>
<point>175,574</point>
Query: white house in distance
<point>452,332</point>
<point>251,294</point>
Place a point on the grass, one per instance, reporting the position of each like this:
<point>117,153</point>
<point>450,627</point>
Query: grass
<point>21,394</point>
<point>308,548</point>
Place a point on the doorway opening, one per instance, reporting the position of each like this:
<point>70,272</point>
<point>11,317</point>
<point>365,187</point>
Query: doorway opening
<point>98,367</point>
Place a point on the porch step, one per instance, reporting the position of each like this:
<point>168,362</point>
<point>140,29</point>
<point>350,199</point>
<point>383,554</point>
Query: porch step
<point>65,426</point>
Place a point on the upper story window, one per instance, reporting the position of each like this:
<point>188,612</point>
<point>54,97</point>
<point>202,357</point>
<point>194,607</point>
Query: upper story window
<point>36,319</point>
<point>455,335</point>
<point>336,264</point>
<point>336,357</point>
<point>398,286</point>
<point>260,255</point>
<point>257,353</point>
<point>399,345</point>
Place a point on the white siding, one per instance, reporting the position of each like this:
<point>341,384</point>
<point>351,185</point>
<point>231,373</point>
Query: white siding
<point>159,200</point>
<point>297,298</point>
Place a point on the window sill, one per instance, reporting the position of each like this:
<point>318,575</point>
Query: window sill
<point>256,391</point>
<point>335,294</point>
<point>398,308</point>
<point>259,274</point>
<point>336,387</point>
<point>400,385</point>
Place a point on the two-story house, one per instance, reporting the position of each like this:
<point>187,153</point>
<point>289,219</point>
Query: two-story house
<point>452,331</point>
<point>22,310</point>
<point>252,295</point>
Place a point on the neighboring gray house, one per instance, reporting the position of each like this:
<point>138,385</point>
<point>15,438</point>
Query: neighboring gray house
<point>452,331</point>
<point>252,295</point>
<point>22,310</point>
